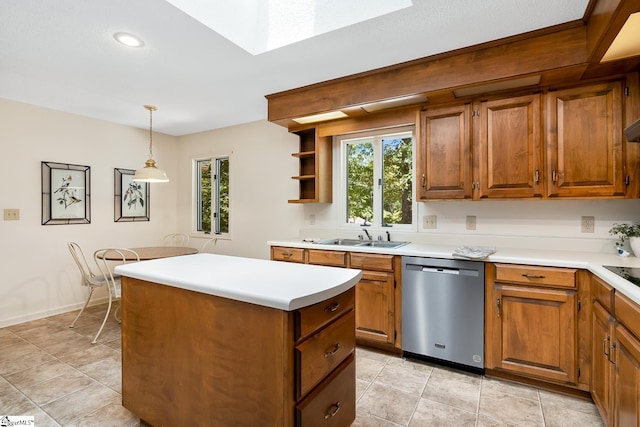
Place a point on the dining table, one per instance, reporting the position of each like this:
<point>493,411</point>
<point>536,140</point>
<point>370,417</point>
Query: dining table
<point>151,252</point>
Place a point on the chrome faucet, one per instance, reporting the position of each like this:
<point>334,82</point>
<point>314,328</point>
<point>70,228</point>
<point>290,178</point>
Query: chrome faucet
<point>367,233</point>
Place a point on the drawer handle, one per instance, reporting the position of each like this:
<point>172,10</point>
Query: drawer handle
<point>533,276</point>
<point>333,410</point>
<point>333,307</point>
<point>287,254</point>
<point>335,349</point>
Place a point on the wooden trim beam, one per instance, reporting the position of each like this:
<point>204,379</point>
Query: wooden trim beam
<point>514,57</point>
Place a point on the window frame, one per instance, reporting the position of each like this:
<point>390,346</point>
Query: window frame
<point>196,195</point>
<point>340,186</point>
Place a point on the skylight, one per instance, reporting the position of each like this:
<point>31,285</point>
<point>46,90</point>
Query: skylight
<point>258,26</point>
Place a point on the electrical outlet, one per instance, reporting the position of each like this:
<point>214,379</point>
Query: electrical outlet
<point>430,221</point>
<point>587,224</point>
<point>471,222</point>
<point>11,214</point>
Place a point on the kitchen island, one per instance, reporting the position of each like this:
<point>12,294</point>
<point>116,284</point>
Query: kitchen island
<point>218,340</point>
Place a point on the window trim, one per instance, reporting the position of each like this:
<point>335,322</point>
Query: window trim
<point>340,187</point>
<point>195,197</point>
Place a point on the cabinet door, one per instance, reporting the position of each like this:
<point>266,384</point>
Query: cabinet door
<point>585,147</point>
<point>444,154</point>
<point>627,378</point>
<point>509,163</point>
<point>601,367</point>
<point>375,307</point>
<point>534,332</point>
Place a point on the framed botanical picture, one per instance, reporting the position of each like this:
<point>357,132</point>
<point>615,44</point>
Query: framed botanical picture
<point>131,198</point>
<point>66,193</point>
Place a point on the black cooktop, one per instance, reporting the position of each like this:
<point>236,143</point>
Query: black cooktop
<point>628,273</point>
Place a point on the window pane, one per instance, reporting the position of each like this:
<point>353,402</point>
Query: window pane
<point>204,195</point>
<point>396,181</point>
<point>360,182</point>
<point>222,211</point>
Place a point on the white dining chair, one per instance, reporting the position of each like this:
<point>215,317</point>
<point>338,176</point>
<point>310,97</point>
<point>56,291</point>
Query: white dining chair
<point>176,239</point>
<point>87,276</point>
<point>209,244</point>
<point>114,282</point>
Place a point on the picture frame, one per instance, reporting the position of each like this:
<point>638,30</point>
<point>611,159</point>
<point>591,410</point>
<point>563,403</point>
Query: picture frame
<point>66,193</point>
<point>131,198</point>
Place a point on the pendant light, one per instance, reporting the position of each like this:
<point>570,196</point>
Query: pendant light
<point>150,173</point>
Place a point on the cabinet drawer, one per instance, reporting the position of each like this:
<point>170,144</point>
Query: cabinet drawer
<point>331,258</point>
<point>371,261</point>
<point>287,254</point>
<point>312,318</point>
<point>333,403</point>
<point>602,292</point>
<point>323,352</point>
<point>536,276</point>
<point>627,313</point>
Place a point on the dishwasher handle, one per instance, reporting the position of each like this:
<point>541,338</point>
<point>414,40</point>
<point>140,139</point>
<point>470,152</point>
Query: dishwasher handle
<point>443,270</point>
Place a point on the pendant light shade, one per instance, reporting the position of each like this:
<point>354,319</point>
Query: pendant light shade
<point>150,173</point>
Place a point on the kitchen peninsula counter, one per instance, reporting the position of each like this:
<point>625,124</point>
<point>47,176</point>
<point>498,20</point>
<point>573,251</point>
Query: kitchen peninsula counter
<point>219,340</point>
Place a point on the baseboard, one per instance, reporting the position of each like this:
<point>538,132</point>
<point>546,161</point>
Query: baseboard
<point>48,313</point>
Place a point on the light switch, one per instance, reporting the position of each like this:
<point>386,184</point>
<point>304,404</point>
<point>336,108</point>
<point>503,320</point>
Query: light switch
<point>11,214</point>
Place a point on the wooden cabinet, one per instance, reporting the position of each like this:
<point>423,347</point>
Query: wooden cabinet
<point>219,361</point>
<point>509,148</point>
<point>601,367</point>
<point>615,381</point>
<point>489,149</point>
<point>377,294</point>
<point>287,254</point>
<point>444,153</point>
<point>314,177</point>
<point>585,152</point>
<point>626,357</point>
<point>497,148</point>
<point>531,322</point>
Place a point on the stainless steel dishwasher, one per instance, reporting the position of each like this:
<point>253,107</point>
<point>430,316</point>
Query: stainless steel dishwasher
<point>443,311</point>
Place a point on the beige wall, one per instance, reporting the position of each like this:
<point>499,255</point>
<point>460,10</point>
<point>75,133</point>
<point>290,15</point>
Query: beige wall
<point>38,276</point>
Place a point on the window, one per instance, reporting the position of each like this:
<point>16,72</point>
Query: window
<point>378,178</point>
<point>212,195</point>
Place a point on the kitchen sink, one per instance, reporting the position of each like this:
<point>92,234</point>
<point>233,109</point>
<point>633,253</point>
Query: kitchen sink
<point>362,243</point>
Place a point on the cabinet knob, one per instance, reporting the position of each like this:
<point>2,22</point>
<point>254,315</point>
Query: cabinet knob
<point>333,351</point>
<point>333,410</point>
<point>333,307</point>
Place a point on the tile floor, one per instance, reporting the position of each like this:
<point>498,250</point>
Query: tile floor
<point>56,375</point>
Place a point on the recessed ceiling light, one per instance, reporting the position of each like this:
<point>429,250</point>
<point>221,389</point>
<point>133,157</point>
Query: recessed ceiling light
<point>128,39</point>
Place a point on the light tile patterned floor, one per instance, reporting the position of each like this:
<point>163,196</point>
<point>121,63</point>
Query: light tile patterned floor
<point>56,375</point>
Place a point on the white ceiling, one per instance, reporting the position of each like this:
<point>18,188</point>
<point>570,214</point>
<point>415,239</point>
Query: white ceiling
<point>61,54</point>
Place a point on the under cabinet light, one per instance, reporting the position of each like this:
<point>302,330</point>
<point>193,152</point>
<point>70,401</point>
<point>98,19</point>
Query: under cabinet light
<point>320,117</point>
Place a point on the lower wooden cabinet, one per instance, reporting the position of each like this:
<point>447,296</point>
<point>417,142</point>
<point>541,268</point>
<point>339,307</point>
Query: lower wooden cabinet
<point>615,381</point>
<point>375,318</point>
<point>626,394</point>
<point>531,322</point>
<point>602,328</point>
<point>377,294</point>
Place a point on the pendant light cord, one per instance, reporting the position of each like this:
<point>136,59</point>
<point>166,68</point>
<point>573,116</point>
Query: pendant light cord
<point>151,109</point>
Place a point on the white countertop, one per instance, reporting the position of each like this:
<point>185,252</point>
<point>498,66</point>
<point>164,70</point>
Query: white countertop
<point>591,261</point>
<point>280,285</point>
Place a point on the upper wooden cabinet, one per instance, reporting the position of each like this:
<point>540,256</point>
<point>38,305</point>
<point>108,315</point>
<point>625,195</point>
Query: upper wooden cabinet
<point>509,148</point>
<point>585,153</point>
<point>488,149</point>
<point>444,153</point>
<point>502,148</point>
<point>314,175</point>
